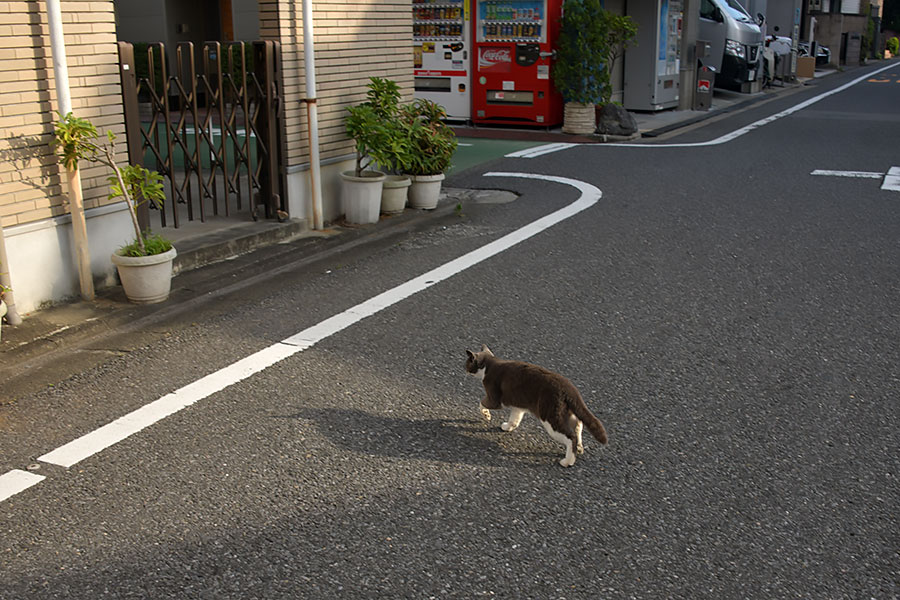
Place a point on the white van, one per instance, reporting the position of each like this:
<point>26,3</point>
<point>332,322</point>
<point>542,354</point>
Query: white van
<point>735,39</point>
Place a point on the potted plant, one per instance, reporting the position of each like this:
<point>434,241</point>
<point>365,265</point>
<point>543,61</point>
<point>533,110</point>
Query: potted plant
<point>384,97</point>
<point>144,265</point>
<point>589,42</point>
<point>431,147</point>
<point>372,125</point>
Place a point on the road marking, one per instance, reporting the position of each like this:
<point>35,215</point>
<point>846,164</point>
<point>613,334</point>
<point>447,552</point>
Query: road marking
<point>539,150</point>
<point>16,481</point>
<point>892,180</point>
<point>123,427</point>
<point>723,139</point>
<point>862,174</point>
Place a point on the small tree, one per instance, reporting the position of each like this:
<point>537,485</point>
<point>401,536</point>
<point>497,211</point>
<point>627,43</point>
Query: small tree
<point>75,140</point>
<point>375,128</point>
<point>893,46</point>
<point>590,41</point>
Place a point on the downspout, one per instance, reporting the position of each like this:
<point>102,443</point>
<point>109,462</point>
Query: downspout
<point>312,115</point>
<point>76,202</point>
<point>12,315</point>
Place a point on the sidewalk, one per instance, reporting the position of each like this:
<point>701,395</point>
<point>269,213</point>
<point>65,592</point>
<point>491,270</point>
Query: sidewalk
<point>35,354</point>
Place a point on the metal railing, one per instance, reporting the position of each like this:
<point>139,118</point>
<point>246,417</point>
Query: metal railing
<point>211,129</point>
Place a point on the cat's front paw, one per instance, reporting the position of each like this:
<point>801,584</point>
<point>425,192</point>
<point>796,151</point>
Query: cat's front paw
<point>507,426</point>
<point>567,461</point>
<point>486,414</point>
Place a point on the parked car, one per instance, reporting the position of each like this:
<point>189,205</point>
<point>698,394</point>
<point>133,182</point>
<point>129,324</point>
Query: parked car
<point>735,39</point>
<point>823,54</point>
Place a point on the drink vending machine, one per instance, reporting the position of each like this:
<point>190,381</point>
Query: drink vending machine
<point>512,61</point>
<point>653,62</point>
<point>442,55</point>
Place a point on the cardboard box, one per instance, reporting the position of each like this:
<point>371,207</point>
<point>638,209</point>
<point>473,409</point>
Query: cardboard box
<point>806,66</point>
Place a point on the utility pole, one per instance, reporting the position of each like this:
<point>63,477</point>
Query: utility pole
<point>690,25</point>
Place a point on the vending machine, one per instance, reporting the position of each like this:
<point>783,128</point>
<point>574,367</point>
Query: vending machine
<point>511,66</point>
<point>442,55</point>
<point>653,62</point>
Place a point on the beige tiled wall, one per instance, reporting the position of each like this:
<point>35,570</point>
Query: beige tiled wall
<point>354,39</point>
<point>30,187</point>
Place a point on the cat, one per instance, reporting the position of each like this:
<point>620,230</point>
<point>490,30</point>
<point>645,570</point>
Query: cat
<point>549,396</point>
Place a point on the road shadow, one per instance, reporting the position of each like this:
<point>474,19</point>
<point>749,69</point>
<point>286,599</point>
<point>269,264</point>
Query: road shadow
<point>467,441</point>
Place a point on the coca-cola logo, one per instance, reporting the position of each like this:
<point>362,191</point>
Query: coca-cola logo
<point>496,55</point>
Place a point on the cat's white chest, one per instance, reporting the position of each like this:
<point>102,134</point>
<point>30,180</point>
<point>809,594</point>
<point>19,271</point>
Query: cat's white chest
<point>480,373</point>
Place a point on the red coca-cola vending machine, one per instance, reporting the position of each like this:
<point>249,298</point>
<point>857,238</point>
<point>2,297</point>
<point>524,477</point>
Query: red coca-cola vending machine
<point>511,67</point>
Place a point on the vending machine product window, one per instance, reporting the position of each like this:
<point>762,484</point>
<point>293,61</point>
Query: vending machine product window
<point>442,54</point>
<point>511,20</point>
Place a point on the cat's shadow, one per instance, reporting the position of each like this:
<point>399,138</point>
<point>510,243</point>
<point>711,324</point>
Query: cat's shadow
<point>457,441</point>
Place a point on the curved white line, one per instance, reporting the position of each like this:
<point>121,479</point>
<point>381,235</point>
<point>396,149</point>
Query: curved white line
<point>123,427</point>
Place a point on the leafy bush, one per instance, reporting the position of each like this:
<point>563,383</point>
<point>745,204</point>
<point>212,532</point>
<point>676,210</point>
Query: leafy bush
<point>75,140</point>
<point>893,46</point>
<point>590,41</point>
<point>431,141</point>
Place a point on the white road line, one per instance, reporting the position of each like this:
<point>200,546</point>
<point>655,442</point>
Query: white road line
<point>15,481</point>
<point>892,180</point>
<point>123,427</point>
<point>861,174</point>
<point>719,140</point>
<point>539,150</point>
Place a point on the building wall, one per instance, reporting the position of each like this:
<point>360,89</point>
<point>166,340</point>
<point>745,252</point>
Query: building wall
<point>30,188</point>
<point>354,39</point>
<point>33,207</point>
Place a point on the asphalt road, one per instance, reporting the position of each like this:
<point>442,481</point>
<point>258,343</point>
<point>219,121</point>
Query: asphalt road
<point>730,317</point>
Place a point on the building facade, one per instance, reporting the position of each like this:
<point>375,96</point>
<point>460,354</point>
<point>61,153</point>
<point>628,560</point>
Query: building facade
<point>354,39</point>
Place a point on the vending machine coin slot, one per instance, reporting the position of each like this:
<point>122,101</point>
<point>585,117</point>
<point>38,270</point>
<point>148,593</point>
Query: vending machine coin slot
<point>527,54</point>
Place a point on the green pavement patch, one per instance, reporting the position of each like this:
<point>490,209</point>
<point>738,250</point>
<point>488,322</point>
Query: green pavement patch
<point>472,152</point>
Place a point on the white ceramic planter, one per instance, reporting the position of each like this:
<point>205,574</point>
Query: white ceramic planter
<point>425,191</point>
<point>361,196</point>
<point>146,279</point>
<point>394,194</point>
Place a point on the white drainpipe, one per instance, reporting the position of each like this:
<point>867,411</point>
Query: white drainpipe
<point>312,115</point>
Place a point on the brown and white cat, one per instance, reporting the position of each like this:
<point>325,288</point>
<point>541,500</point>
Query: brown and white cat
<point>549,396</point>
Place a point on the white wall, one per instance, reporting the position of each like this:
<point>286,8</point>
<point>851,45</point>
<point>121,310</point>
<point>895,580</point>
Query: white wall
<point>299,196</point>
<point>42,258</point>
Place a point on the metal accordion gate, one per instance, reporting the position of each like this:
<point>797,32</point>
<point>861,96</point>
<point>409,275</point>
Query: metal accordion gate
<point>211,127</point>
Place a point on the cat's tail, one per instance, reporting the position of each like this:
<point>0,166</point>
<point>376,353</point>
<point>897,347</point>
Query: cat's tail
<point>593,424</point>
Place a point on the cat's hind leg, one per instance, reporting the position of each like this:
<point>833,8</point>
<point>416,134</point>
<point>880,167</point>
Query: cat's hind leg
<point>578,427</point>
<point>567,440</point>
<point>515,417</point>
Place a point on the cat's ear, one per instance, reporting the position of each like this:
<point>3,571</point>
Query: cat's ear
<point>484,348</point>
<point>470,355</point>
